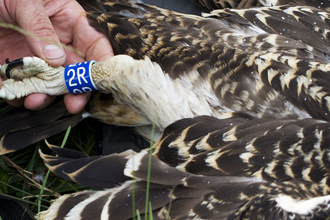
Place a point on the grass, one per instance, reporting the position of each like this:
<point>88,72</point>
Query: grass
<point>23,174</point>
<point>148,208</point>
<point>148,178</point>
<point>22,170</point>
<point>48,172</point>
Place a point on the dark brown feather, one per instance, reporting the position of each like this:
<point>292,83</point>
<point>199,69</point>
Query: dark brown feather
<point>20,139</point>
<point>241,173</point>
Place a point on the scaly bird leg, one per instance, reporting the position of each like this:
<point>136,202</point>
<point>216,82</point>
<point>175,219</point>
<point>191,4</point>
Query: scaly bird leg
<point>36,76</point>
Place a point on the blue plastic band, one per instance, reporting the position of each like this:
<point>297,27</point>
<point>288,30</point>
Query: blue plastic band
<point>78,78</point>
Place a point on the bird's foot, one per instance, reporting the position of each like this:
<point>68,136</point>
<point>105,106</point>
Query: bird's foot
<point>36,76</point>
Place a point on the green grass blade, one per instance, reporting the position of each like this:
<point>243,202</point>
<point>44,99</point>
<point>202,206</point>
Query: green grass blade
<point>48,172</point>
<point>138,214</point>
<point>22,200</point>
<point>151,217</point>
<point>22,191</point>
<point>149,171</point>
<point>168,210</point>
<point>66,136</point>
<point>133,194</point>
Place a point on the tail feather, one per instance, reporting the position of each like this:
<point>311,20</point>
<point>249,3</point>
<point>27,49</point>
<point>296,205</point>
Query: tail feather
<point>86,170</point>
<point>172,192</point>
<point>17,140</point>
<point>18,118</point>
<point>160,172</point>
<point>116,203</point>
<point>21,127</point>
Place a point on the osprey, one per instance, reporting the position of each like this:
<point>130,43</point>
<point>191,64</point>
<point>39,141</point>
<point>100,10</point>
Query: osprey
<point>241,97</point>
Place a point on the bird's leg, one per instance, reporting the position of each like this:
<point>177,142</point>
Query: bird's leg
<point>36,76</point>
<point>140,85</point>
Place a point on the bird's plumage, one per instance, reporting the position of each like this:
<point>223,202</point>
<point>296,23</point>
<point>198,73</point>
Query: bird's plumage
<point>209,168</point>
<point>255,60</point>
<point>260,77</point>
<point>21,127</point>
<point>209,5</point>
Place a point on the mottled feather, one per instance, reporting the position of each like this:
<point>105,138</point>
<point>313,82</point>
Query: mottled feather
<point>233,180</point>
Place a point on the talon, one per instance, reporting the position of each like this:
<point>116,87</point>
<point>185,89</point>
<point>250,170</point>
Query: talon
<point>13,64</point>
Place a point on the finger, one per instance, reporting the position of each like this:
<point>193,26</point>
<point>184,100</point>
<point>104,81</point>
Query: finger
<point>100,50</point>
<point>32,17</point>
<point>72,57</point>
<point>76,103</point>
<point>93,44</point>
<point>16,102</point>
<point>38,101</point>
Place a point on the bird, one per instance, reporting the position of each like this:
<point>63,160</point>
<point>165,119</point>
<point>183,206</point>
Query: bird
<point>205,168</point>
<point>238,58</point>
<point>240,103</point>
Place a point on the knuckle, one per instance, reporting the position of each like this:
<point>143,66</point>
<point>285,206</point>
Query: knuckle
<point>41,26</point>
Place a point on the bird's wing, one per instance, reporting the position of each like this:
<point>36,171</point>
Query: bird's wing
<point>268,149</point>
<point>227,175</point>
<point>21,127</point>
<point>255,60</point>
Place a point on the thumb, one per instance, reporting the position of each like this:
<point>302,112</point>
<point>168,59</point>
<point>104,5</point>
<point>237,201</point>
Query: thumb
<point>32,17</point>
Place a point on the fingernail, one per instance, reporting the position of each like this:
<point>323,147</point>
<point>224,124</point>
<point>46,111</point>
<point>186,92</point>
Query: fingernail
<point>53,51</point>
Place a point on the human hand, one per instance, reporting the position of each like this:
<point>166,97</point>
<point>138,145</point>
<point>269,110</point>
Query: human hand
<point>55,21</point>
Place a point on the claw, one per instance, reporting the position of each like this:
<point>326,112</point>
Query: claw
<point>35,76</point>
<point>13,64</point>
